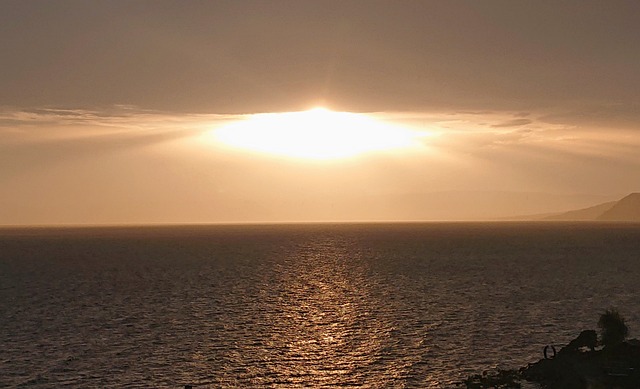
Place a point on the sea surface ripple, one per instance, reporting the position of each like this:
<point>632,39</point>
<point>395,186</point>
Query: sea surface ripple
<point>293,306</point>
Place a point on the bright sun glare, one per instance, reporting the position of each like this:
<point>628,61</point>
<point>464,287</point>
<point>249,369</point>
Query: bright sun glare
<point>319,134</point>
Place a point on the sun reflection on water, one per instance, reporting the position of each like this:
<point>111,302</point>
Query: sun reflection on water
<point>326,325</point>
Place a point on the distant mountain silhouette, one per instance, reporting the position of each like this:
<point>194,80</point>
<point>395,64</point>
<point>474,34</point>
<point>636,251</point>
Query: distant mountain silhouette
<point>584,214</point>
<point>627,209</point>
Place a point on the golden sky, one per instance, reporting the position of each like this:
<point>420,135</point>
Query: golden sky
<point>171,111</point>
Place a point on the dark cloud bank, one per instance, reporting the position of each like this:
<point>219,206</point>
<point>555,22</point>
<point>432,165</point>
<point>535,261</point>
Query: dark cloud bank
<point>256,56</point>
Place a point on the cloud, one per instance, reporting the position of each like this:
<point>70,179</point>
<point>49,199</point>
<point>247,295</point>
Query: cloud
<point>597,116</point>
<point>40,138</point>
<point>247,57</point>
<point>116,122</point>
<point>512,123</point>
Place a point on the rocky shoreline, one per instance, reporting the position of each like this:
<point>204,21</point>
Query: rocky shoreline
<point>588,361</point>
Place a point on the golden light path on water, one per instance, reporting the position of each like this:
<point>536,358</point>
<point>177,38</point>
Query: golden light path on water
<point>317,134</point>
<point>323,321</point>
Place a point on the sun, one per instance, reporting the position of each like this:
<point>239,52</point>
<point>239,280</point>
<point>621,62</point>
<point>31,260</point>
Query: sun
<point>317,134</point>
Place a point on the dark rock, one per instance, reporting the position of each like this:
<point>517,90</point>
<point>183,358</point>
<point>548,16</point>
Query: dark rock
<point>577,366</point>
<point>499,379</point>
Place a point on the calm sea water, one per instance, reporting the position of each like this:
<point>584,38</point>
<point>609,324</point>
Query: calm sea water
<point>378,305</point>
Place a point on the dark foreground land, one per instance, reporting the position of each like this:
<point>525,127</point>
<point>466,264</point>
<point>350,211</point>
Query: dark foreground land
<point>586,362</point>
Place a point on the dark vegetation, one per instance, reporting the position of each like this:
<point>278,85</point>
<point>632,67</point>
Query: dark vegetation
<point>613,330</point>
<point>588,361</point>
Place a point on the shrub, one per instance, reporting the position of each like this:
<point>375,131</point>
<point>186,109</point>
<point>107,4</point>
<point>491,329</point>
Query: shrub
<point>613,330</point>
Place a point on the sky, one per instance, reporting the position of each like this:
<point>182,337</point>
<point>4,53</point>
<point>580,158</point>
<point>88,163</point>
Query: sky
<point>111,112</point>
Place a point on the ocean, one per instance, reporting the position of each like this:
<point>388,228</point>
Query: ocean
<point>310,305</point>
